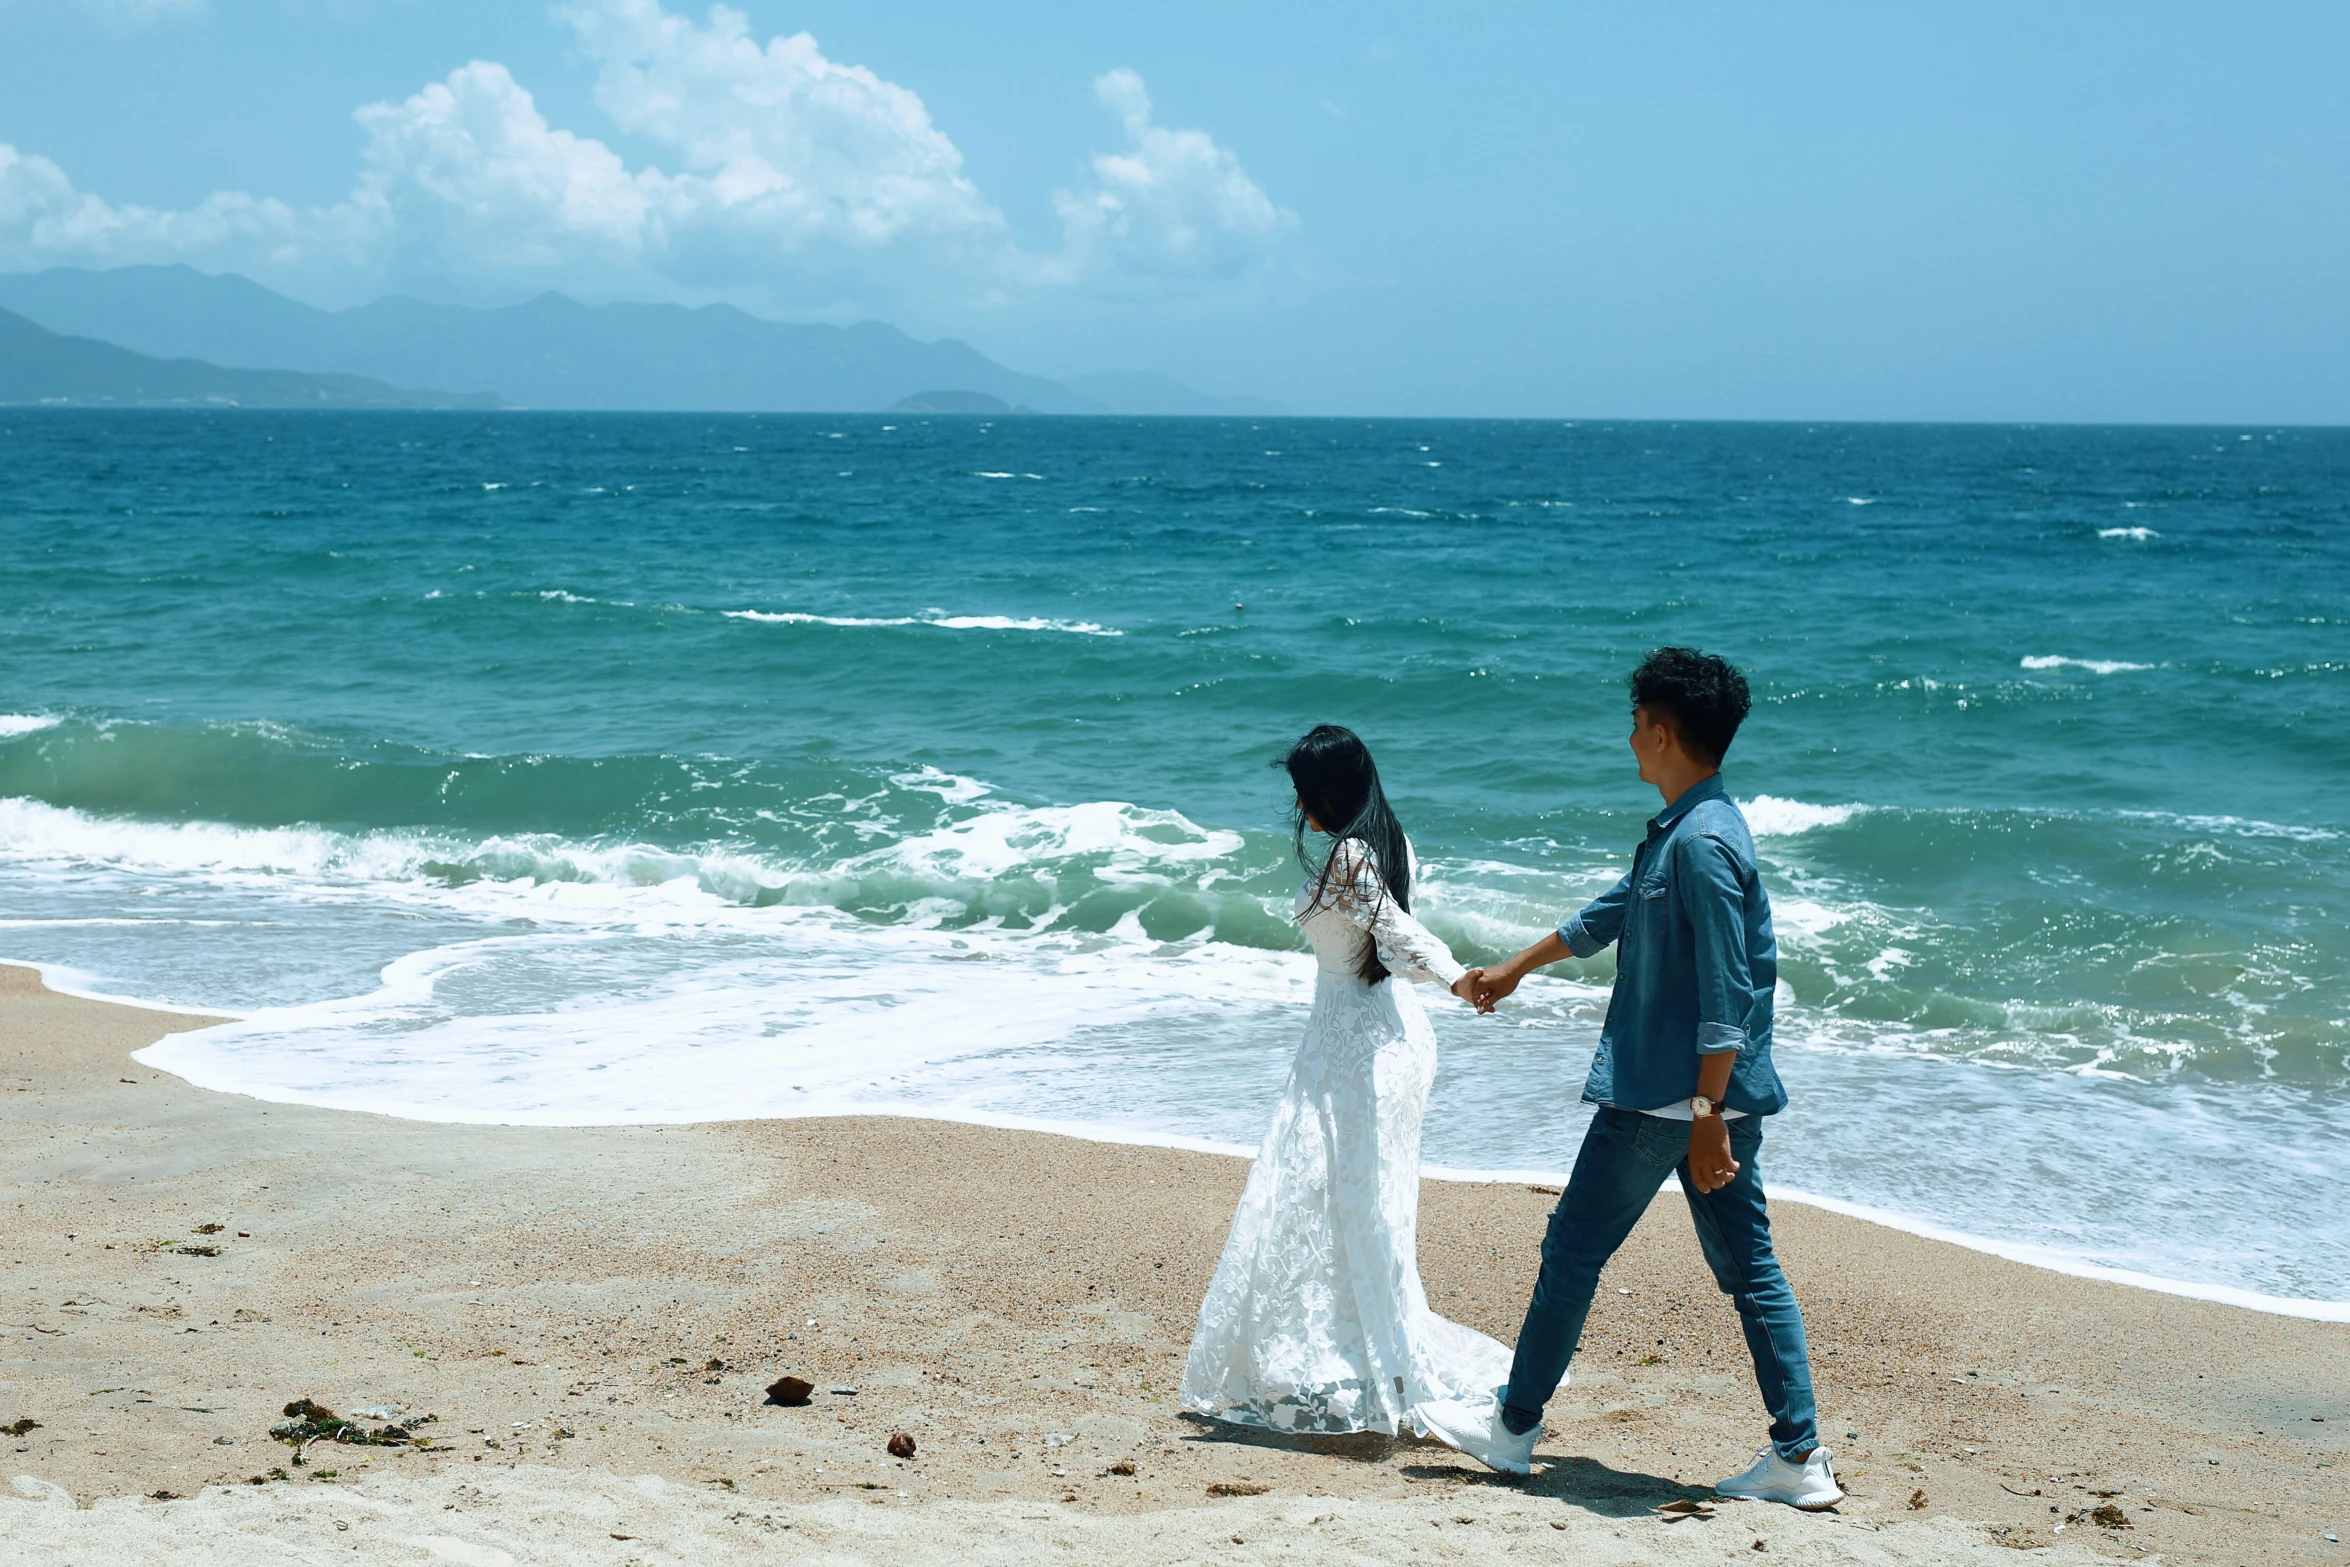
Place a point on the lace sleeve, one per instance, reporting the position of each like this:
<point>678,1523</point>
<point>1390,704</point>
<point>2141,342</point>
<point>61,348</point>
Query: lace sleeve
<point>1406,946</point>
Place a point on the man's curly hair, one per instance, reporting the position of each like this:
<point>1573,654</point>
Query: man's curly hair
<point>1705,698</point>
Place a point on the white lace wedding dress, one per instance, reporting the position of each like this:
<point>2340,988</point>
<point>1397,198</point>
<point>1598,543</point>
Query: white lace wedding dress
<point>1316,1320</point>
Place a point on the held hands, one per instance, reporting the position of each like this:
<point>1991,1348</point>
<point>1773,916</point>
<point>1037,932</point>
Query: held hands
<point>1481,987</point>
<point>1710,1166</point>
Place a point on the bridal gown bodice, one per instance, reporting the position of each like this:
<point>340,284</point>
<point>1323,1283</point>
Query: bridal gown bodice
<point>1316,1319</point>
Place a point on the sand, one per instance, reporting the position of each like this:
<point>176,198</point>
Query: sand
<point>592,1314</point>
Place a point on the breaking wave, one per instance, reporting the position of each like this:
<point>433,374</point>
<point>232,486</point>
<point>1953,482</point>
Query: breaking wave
<point>945,622</point>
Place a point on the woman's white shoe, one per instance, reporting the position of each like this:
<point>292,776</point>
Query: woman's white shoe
<point>1476,1430</point>
<point>1810,1485</point>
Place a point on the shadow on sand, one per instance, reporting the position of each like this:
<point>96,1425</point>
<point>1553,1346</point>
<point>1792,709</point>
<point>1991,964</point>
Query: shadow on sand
<point>1574,1480</point>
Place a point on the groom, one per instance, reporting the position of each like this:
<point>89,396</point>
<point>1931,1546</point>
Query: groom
<point>1682,1079</point>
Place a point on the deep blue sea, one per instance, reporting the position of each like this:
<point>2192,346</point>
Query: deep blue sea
<point>586,769</point>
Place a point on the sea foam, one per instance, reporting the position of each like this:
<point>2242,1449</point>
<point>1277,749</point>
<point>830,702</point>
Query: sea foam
<point>2095,666</point>
<point>1768,816</point>
<point>1058,852</point>
<point>14,724</point>
<point>945,622</point>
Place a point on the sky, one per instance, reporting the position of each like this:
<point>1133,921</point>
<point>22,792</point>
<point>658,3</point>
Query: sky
<point>2078,211</point>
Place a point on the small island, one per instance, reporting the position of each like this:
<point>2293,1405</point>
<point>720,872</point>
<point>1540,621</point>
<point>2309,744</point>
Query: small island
<point>955,403</point>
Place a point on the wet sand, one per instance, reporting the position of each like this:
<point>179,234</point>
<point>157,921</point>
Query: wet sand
<point>591,1316</point>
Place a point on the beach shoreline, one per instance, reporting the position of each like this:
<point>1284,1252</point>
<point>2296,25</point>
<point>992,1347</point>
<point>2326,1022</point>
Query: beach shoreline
<point>988,1291</point>
<point>61,980</point>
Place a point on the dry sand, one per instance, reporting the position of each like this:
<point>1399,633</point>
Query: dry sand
<point>1018,1304</point>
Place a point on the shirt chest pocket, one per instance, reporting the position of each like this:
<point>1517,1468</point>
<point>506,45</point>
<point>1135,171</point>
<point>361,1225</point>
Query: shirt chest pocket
<point>1652,901</point>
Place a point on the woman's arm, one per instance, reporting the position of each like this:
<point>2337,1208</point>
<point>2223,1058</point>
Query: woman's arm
<point>1405,945</point>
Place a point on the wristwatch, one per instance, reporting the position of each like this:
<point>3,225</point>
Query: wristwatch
<point>1700,1107</point>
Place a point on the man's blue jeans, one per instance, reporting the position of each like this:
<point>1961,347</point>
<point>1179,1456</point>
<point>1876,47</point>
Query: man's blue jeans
<point>1624,1160</point>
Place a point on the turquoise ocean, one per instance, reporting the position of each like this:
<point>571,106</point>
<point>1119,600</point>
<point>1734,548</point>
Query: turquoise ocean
<point>588,769</point>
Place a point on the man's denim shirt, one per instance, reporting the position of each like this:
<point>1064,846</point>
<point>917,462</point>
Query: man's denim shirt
<point>1696,963</point>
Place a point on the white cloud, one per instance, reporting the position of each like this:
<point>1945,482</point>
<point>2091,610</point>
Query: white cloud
<point>467,176</point>
<point>45,221</point>
<point>794,178</point>
<point>1172,202</point>
<point>778,138</point>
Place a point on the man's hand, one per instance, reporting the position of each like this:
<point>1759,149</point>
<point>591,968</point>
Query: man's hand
<point>1493,984</point>
<point>1710,1166</point>
<point>1482,987</point>
<point>1498,981</point>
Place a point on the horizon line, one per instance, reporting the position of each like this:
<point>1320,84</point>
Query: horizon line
<point>1774,421</point>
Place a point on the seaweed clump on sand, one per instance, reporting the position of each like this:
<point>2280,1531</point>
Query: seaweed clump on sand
<point>308,1421</point>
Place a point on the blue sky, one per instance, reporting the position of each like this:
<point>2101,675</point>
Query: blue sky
<point>1975,211</point>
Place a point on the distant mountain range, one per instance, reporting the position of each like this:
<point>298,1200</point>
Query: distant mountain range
<point>45,367</point>
<point>554,352</point>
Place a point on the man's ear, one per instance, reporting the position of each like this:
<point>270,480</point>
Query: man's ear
<point>1668,733</point>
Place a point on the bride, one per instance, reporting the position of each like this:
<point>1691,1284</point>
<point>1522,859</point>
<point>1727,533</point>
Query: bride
<point>1316,1320</point>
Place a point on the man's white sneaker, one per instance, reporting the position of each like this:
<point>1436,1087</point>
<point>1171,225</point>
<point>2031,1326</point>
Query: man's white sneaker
<point>1476,1429</point>
<point>1810,1485</point>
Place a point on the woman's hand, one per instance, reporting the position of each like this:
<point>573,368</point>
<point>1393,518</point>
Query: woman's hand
<point>1498,981</point>
<point>1482,987</point>
<point>1493,984</point>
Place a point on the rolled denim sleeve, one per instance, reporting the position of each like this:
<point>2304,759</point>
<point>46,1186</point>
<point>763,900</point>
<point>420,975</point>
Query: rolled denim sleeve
<point>1601,921</point>
<point>1712,891</point>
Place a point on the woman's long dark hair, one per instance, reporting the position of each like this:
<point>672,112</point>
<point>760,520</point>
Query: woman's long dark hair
<point>1338,786</point>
